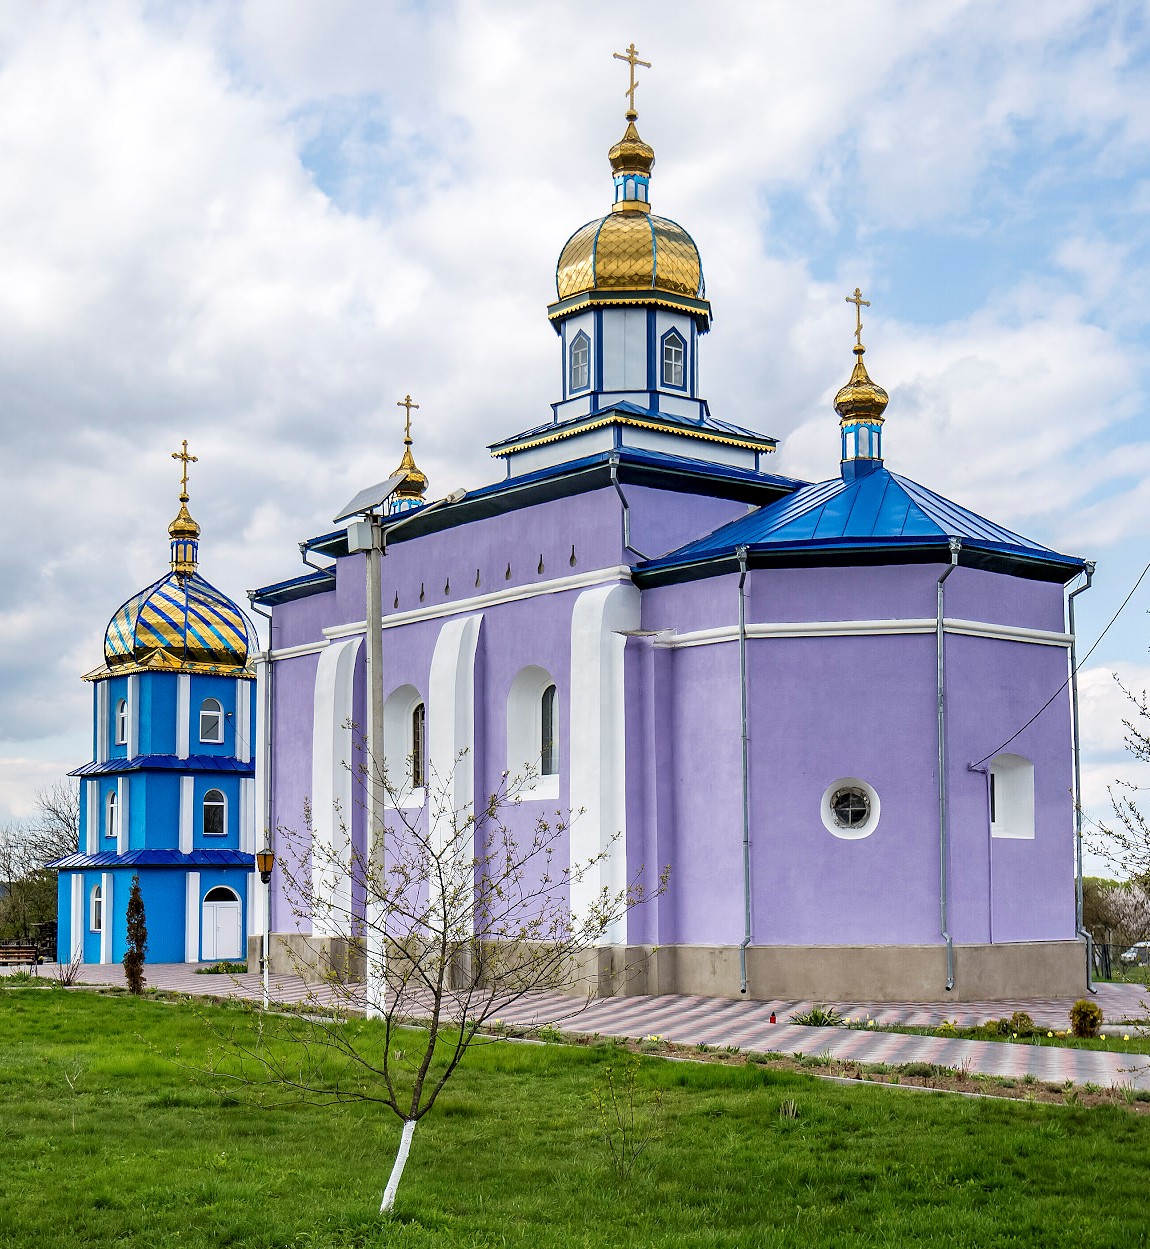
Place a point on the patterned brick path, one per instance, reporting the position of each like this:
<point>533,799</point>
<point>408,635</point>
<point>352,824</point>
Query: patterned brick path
<point>746,1024</point>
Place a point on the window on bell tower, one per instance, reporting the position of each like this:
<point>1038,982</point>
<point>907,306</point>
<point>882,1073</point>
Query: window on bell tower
<point>580,373</point>
<point>674,358</point>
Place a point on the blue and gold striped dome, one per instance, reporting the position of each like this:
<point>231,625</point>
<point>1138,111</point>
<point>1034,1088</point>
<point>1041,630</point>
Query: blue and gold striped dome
<point>180,623</point>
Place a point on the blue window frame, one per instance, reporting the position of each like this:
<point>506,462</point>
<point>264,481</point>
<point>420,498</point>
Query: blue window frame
<point>674,360</point>
<point>579,373</point>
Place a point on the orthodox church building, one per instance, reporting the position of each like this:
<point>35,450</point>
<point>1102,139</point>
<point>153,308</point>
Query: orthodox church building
<point>805,699</point>
<point>169,793</point>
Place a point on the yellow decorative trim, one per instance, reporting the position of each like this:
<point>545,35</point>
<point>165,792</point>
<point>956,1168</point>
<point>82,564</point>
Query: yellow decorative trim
<point>615,419</point>
<point>215,670</point>
<point>631,206</point>
<point>626,299</point>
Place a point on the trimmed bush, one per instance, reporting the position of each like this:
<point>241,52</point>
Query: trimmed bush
<point>1085,1018</point>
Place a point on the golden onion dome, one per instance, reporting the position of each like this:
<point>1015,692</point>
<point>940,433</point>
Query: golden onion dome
<point>414,484</point>
<point>631,256</point>
<point>860,399</point>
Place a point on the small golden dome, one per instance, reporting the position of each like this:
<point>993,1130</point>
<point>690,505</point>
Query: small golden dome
<point>631,154</point>
<point>414,484</point>
<point>184,526</point>
<point>860,398</point>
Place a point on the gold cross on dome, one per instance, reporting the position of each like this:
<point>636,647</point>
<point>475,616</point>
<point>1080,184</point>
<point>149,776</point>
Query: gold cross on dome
<point>187,459</point>
<point>859,304</point>
<point>405,402</point>
<point>632,59</point>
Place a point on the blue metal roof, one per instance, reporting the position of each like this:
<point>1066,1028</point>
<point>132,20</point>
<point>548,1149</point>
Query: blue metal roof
<point>157,858</point>
<point>626,408</point>
<point>166,763</point>
<point>880,511</point>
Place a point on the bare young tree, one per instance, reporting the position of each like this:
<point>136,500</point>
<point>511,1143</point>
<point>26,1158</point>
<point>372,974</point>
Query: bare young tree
<point>1125,842</point>
<point>451,918</point>
<point>27,885</point>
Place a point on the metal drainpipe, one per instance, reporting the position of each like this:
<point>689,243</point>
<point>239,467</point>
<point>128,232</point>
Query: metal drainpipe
<point>746,941</point>
<point>943,822</point>
<point>970,767</point>
<point>614,463</point>
<point>304,552</point>
<point>1078,906</point>
<point>266,734</point>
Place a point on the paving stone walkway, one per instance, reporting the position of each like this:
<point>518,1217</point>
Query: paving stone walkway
<point>724,1022</point>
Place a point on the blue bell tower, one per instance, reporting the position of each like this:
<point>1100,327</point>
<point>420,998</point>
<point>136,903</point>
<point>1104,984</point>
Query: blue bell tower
<point>169,791</point>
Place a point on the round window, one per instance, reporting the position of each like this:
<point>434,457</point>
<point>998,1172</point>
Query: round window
<point>850,808</point>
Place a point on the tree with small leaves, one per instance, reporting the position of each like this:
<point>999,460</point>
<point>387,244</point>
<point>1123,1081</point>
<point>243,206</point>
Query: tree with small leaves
<point>137,939</point>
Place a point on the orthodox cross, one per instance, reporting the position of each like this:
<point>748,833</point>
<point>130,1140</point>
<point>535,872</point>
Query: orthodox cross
<point>632,59</point>
<point>187,459</point>
<point>859,304</point>
<point>405,402</point>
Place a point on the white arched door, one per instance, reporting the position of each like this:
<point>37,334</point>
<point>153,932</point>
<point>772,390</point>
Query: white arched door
<point>222,931</point>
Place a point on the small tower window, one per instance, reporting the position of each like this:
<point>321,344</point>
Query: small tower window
<point>674,356</point>
<point>215,812</point>
<point>111,824</point>
<point>549,733</point>
<point>96,909</point>
<point>419,746</point>
<point>580,377</point>
<point>122,722</point>
<point>211,721</point>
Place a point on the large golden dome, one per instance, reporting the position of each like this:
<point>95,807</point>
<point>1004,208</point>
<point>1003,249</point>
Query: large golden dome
<point>630,256</point>
<point>630,251</point>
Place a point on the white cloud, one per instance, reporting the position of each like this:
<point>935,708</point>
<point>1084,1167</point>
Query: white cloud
<point>256,226</point>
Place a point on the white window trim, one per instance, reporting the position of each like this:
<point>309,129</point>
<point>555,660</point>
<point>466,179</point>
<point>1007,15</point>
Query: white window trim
<point>525,734</point>
<point>122,722</point>
<point>831,824</point>
<point>398,746</point>
<point>218,740</point>
<point>1013,779</point>
<point>112,814</point>
<point>204,813</point>
<point>96,909</point>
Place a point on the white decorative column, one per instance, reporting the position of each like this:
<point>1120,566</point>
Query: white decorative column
<point>101,721</point>
<point>183,715</point>
<point>598,767</point>
<point>187,811</point>
<point>192,917</point>
<point>123,841</point>
<point>92,815</point>
<point>331,788</point>
<point>76,946</point>
<point>133,701</point>
<point>243,720</point>
<point>107,917</point>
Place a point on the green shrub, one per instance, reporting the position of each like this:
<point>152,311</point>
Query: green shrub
<point>1085,1018</point>
<point>818,1017</point>
<point>1022,1024</point>
<point>222,969</point>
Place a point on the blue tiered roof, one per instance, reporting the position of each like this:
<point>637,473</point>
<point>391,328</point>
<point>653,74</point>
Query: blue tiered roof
<point>877,518</point>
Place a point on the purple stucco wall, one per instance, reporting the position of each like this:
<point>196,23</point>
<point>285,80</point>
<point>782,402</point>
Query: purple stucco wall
<point>820,709</point>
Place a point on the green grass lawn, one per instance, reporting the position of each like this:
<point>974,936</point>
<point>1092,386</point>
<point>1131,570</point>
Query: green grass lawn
<point>106,1139</point>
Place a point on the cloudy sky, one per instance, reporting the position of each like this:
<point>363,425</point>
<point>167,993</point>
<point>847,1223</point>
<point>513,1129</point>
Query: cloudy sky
<point>256,225</point>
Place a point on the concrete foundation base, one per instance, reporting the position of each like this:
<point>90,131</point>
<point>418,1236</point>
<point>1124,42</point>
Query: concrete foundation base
<point>867,973</point>
<point>828,973</point>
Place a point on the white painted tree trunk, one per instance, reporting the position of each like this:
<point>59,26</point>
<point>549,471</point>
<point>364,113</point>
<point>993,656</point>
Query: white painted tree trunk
<point>388,1204</point>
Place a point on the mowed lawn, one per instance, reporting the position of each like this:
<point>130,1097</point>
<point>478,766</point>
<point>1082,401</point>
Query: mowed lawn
<point>108,1138</point>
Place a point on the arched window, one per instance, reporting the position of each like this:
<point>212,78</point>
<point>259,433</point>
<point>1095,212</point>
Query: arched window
<point>1011,797</point>
<point>122,722</point>
<point>419,746</point>
<point>111,823</point>
<point>580,374</point>
<point>96,909</point>
<point>221,893</point>
<point>215,813</point>
<point>211,721</point>
<point>674,359</point>
<point>405,746</point>
<point>549,733</point>
<point>533,732</point>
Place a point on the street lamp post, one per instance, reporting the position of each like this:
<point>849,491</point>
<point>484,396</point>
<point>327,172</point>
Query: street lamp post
<point>265,861</point>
